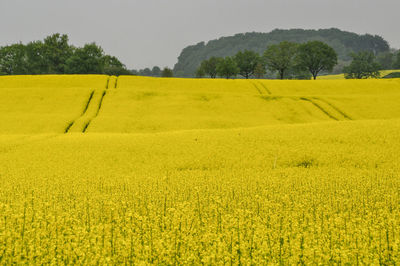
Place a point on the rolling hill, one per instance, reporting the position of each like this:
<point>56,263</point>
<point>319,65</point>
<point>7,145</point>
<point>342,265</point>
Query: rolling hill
<point>343,42</point>
<point>132,170</point>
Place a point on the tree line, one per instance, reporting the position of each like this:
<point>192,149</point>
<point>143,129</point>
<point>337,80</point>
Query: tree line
<point>156,71</point>
<point>296,61</point>
<point>54,55</point>
<point>366,65</point>
<point>343,42</point>
<point>289,60</point>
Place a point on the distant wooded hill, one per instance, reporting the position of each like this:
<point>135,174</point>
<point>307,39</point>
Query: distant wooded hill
<point>342,41</point>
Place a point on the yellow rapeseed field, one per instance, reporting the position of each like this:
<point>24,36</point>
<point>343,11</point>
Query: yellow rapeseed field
<point>133,170</point>
<point>341,76</point>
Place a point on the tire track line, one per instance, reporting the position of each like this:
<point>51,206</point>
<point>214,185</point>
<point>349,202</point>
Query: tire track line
<point>258,89</point>
<point>116,82</point>
<point>336,108</point>
<point>319,107</point>
<point>100,103</point>
<point>97,112</point>
<point>83,113</point>
<point>265,87</point>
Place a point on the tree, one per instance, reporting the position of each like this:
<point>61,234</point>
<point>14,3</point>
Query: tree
<point>167,73</point>
<point>200,73</point>
<point>281,57</point>
<point>227,68</point>
<point>13,60</point>
<point>86,60</point>
<point>396,63</point>
<point>156,71</point>
<point>56,52</point>
<point>55,56</point>
<point>36,59</point>
<point>385,60</point>
<point>145,72</point>
<point>210,66</point>
<point>260,71</point>
<point>363,66</point>
<point>112,66</point>
<point>246,61</point>
<point>316,56</point>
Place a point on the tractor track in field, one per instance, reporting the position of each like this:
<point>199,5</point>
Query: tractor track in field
<point>264,91</point>
<point>83,113</point>
<point>116,83</point>
<point>100,103</point>
<point>89,105</point>
<point>329,109</point>
<point>264,87</point>
<point>97,112</point>
<point>319,107</point>
<point>335,108</point>
<point>257,88</point>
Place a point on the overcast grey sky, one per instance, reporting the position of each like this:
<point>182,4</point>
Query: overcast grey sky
<point>153,32</point>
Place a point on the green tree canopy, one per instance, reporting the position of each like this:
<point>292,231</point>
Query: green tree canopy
<point>260,70</point>
<point>156,71</point>
<point>54,55</point>
<point>246,61</point>
<point>112,66</point>
<point>210,66</point>
<point>316,56</point>
<point>385,60</point>
<point>363,66</point>
<point>281,57</point>
<point>56,52</point>
<point>145,72</point>
<point>88,59</point>
<point>227,68</point>
<point>200,73</point>
<point>343,42</point>
<point>396,63</point>
<point>167,73</point>
<point>36,60</point>
<point>12,60</point>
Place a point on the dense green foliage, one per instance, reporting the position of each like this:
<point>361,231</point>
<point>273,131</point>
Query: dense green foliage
<point>227,67</point>
<point>363,66</point>
<point>290,60</point>
<point>343,42</point>
<point>247,62</point>
<point>386,60</point>
<point>396,64</point>
<point>281,57</point>
<point>209,67</point>
<point>54,55</point>
<point>167,73</point>
<point>156,71</point>
<point>259,70</point>
<point>316,56</point>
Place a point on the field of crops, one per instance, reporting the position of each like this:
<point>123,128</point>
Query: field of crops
<point>100,170</point>
<point>341,76</point>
